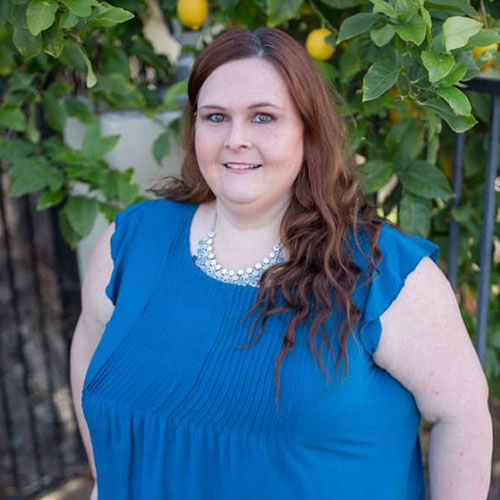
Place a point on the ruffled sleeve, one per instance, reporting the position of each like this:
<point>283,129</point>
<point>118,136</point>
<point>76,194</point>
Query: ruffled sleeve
<point>401,254</point>
<point>125,225</point>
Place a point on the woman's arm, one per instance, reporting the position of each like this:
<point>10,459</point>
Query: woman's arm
<point>426,347</point>
<point>95,313</point>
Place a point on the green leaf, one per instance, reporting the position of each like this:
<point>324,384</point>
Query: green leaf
<point>463,5</point>
<point>50,198</point>
<point>77,108</point>
<point>109,184</point>
<point>278,12</point>
<point>454,76</point>
<point>115,60</point>
<point>456,122</point>
<point>91,140</point>
<point>426,180</point>
<point>17,14</point>
<point>329,71</point>
<point>355,25</point>
<point>415,214</point>
<point>91,79</point>
<point>15,148</point>
<point>21,80</point>
<point>161,146</point>
<point>456,99</point>
<point>404,6</point>
<point>81,213</point>
<point>413,30</point>
<point>29,175</point>
<point>119,92</point>
<point>350,63</point>
<point>106,144</point>
<point>467,60</point>
<point>4,8</point>
<point>69,234</point>
<point>384,8</point>
<point>480,103</point>
<point>483,39</point>
<point>108,16</point>
<point>12,117</point>
<point>438,65</point>
<point>457,30</point>
<point>382,36</point>
<point>6,60</point>
<point>379,78</point>
<point>374,175</point>
<point>53,42</point>
<point>27,44</point>
<point>176,90</point>
<point>405,140</point>
<point>127,192</point>
<point>80,8</point>
<point>224,4</point>
<point>426,16</point>
<point>53,112</point>
<point>40,15</point>
<point>72,57</point>
<point>342,4</point>
<point>69,156</point>
<point>95,147</point>
<point>32,131</point>
<point>67,20</point>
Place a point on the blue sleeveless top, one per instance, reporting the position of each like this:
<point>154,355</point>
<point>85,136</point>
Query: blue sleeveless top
<point>176,410</point>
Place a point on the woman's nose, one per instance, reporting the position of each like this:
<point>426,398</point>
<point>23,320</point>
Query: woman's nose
<point>238,136</point>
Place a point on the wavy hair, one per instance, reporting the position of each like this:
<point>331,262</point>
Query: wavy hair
<point>326,204</point>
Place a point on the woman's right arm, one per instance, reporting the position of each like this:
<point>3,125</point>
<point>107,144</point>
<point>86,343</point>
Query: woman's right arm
<point>95,313</point>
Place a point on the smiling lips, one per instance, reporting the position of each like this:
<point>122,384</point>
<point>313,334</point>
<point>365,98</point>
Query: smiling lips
<point>242,166</point>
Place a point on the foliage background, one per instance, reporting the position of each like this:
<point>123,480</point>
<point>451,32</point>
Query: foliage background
<point>399,68</point>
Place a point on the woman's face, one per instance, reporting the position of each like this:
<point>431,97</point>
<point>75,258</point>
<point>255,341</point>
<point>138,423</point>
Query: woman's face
<point>246,117</point>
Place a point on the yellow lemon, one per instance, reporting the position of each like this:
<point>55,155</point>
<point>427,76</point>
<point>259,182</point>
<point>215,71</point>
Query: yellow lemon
<point>192,13</point>
<point>317,46</point>
<point>477,51</point>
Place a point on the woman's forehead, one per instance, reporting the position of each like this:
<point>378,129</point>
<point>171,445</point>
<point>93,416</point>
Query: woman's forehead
<point>244,83</point>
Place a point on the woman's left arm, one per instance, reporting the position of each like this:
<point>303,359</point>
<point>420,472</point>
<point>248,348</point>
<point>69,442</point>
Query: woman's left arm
<point>426,347</point>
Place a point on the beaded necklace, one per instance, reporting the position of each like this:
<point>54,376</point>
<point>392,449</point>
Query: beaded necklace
<point>206,261</point>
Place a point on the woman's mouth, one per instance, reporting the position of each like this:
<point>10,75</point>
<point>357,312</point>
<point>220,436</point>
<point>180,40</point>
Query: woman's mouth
<point>242,166</point>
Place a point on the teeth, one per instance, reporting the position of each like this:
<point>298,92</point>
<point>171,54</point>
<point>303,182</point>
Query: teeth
<point>240,167</point>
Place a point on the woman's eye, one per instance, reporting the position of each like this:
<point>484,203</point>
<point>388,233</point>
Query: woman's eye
<point>210,117</point>
<point>268,118</point>
<point>219,118</point>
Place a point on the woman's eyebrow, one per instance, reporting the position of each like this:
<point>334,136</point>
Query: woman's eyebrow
<point>256,105</point>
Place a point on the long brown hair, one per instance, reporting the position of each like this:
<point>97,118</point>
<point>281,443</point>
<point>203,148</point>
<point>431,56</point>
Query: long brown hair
<point>326,203</point>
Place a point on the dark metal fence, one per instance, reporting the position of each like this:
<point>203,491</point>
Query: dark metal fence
<point>39,306</point>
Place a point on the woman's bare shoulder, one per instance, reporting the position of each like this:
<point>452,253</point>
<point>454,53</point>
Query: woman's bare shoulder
<point>425,346</point>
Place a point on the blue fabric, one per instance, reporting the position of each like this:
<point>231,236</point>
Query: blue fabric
<point>176,410</point>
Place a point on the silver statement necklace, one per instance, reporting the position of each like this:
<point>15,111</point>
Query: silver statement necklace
<point>206,261</point>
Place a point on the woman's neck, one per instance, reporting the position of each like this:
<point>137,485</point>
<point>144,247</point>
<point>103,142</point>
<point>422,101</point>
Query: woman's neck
<point>244,235</point>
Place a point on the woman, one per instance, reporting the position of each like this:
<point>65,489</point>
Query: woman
<point>268,229</point>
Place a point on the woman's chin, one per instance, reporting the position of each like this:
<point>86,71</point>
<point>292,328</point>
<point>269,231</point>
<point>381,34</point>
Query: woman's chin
<point>240,198</point>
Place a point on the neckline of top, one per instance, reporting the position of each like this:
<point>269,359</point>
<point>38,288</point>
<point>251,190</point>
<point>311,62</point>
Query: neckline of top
<point>198,273</point>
